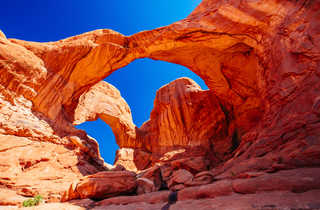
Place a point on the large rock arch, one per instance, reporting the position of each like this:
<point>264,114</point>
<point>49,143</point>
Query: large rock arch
<point>260,60</point>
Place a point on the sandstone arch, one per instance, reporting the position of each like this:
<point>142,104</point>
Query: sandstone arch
<point>229,49</point>
<point>260,60</point>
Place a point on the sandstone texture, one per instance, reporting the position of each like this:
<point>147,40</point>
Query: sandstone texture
<point>37,155</point>
<point>103,185</point>
<point>252,141</point>
<point>105,102</point>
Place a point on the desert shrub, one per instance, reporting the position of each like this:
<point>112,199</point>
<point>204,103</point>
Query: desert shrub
<point>32,201</point>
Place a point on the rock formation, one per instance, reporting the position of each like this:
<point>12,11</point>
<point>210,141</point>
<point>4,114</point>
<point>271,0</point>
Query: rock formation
<point>253,136</point>
<point>103,185</point>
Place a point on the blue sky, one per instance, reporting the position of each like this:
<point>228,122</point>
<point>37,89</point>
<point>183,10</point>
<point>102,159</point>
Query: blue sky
<point>53,20</point>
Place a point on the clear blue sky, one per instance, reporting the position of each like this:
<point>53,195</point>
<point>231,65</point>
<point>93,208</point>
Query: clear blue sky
<point>53,20</point>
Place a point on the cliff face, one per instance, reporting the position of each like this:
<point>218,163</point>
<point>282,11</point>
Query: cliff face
<point>261,62</point>
<point>37,156</point>
<point>183,116</point>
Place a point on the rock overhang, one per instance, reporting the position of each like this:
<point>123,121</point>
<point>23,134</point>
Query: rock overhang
<point>259,60</point>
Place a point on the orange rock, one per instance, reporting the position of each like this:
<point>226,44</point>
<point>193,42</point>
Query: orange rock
<point>179,179</point>
<point>102,185</point>
<point>145,185</point>
<point>153,174</point>
<point>22,73</point>
<point>193,164</point>
<point>104,101</point>
<point>2,35</point>
<point>174,121</point>
<point>153,197</point>
<point>10,197</point>
<point>179,108</point>
<point>27,166</point>
<point>202,178</point>
<point>265,200</point>
<point>157,200</point>
<point>296,180</point>
<point>133,159</point>
<point>260,60</point>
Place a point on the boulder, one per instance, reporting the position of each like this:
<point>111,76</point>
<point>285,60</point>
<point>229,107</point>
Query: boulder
<point>102,185</point>
<point>145,185</point>
<point>192,164</point>
<point>179,179</point>
<point>153,174</point>
<point>133,159</point>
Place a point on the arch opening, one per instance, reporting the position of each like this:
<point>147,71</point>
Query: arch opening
<point>195,119</point>
<point>139,81</point>
<point>101,132</point>
<point>138,84</point>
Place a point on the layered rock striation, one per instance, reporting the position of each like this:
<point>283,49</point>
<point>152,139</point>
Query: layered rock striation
<point>259,122</point>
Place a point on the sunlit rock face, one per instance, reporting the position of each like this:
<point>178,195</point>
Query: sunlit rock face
<point>104,101</point>
<point>185,121</point>
<point>38,155</point>
<point>183,115</point>
<point>261,62</point>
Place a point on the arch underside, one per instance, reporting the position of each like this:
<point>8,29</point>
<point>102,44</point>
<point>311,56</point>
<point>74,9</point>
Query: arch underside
<point>260,60</point>
<point>230,49</point>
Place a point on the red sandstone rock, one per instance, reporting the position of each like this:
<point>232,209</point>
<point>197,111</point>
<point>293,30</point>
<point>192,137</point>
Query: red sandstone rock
<point>179,106</point>
<point>267,200</point>
<point>237,78</point>
<point>22,73</point>
<point>202,178</point>
<point>295,180</point>
<point>102,185</point>
<point>216,189</point>
<point>2,35</point>
<point>117,168</point>
<point>27,166</point>
<point>133,159</point>
<point>154,174</point>
<point>154,197</point>
<point>145,186</point>
<point>104,101</point>
<point>193,164</point>
<point>174,121</point>
<point>260,60</point>
<point>277,200</point>
<point>179,178</point>
<point>10,197</point>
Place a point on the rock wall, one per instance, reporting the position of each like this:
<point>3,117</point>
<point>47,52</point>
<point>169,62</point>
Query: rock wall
<point>261,62</point>
<point>38,155</point>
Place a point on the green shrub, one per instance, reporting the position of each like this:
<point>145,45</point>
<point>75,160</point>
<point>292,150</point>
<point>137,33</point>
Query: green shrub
<point>32,201</point>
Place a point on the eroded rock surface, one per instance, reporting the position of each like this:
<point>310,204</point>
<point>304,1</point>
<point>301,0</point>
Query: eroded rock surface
<point>30,167</point>
<point>103,185</point>
<point>253,136</point>
<point>37,155</point>
<point>184,117</point>
<point>104,101</point>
